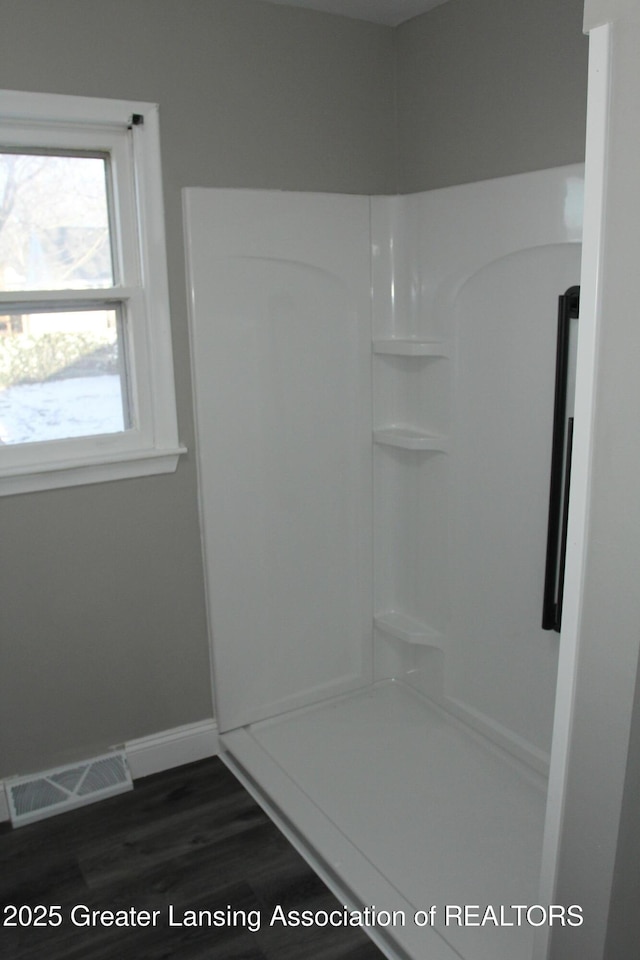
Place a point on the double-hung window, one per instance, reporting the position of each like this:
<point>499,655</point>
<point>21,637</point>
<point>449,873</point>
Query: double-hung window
<point>86,371</point>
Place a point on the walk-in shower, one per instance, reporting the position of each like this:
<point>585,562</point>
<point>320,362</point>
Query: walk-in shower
<point>374,390</point>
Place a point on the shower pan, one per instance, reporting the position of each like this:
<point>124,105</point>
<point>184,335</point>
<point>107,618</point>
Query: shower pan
<point>374,395</point>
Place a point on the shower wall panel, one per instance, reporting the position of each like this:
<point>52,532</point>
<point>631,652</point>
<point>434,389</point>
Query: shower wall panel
<point>280,328</point>
<point>466,283</point>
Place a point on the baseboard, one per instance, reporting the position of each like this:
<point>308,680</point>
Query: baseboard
<point>159,751</point>
<point>172,748</point>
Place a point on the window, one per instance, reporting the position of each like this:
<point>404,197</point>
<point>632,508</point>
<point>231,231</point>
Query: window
<point>86,371</point>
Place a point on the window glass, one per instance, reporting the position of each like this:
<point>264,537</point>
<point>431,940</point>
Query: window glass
<point>61,376</point>
<point>54,222</point>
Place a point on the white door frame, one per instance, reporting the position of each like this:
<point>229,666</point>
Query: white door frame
<point>601,617</point>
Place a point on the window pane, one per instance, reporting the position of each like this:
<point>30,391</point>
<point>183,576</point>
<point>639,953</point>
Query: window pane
<point>61,376</point>
<point>54,232</point>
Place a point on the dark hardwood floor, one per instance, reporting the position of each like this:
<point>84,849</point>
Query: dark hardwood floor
<point>190,839</point>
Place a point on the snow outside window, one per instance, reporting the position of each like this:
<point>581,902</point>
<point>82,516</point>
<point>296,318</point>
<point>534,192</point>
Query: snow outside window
<point>86,372</point>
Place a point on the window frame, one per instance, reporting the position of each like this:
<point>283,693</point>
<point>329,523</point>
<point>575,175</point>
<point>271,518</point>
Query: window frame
<point>129,133</point>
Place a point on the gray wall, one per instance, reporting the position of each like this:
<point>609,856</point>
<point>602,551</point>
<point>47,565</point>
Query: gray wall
<point>488,88</point>
<point>102,621</point>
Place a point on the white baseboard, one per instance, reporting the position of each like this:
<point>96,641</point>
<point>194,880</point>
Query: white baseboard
<point>172,748</point>
<point>158,752</point>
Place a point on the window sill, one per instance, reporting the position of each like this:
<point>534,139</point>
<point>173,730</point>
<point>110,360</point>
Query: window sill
<point>74,473</point>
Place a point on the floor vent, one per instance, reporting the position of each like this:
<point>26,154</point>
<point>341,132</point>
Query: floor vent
<point>56,791</point>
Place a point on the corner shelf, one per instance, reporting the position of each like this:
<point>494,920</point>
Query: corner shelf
<point>411,347</point>
<point>409,439</point>
<point>405,628</point>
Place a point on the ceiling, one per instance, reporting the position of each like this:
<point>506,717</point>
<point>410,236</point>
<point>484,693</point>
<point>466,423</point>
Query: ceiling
<point>391,12</point>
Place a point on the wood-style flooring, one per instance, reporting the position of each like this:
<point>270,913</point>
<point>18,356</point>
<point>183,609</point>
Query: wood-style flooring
<point>191,839</point>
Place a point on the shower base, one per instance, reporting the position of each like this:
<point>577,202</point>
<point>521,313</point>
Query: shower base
<point>400,806</point>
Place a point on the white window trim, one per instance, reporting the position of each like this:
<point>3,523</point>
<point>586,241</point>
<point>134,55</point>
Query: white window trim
<point>151,446</point>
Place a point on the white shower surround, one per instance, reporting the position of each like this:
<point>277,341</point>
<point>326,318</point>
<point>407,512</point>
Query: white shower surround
<point>288,396</point>
<point>476,270</point>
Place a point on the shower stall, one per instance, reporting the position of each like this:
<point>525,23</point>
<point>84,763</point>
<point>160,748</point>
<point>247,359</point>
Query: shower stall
<point>374,385</point>
<point>374,392</point>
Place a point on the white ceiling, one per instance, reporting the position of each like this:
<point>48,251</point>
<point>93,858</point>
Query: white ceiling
<point>391,12</point>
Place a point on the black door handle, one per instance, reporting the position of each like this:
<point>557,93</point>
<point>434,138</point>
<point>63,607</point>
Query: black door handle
<point>559,485</point>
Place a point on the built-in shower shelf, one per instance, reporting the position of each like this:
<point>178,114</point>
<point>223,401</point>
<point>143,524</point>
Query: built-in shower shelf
<point>405,628</point>
<point>411,347</point>
<point>409,439</point>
